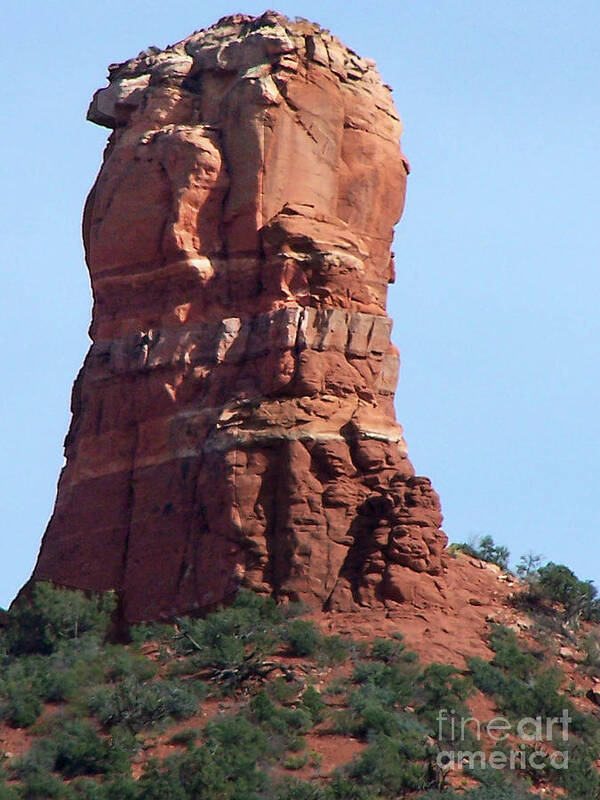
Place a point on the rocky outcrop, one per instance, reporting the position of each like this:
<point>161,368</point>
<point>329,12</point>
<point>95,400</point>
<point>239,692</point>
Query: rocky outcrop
<point>233,422</point>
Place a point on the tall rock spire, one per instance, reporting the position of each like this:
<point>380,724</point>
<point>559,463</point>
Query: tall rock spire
<point>233,422</point>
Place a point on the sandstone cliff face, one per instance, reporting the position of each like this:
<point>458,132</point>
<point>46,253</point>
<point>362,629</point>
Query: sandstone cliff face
<point>233,422</point>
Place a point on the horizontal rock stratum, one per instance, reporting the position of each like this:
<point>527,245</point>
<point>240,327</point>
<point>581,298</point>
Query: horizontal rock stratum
<point>233,422</point>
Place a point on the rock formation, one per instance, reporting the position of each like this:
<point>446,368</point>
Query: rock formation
<point>233,422</point>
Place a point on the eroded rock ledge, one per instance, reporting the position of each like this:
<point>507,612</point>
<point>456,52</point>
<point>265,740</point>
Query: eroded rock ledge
<point>233,423</point>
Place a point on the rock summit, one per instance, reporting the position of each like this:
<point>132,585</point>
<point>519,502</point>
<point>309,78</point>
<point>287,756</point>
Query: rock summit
<point>233,422</point>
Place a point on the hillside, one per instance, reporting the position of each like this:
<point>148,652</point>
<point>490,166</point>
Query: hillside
<point>266,701</point>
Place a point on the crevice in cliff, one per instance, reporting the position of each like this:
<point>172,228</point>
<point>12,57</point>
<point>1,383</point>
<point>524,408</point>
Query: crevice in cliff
<point>129,512</point>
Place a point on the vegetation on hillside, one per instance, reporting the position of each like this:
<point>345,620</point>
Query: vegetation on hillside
<point>548,587</point>
<point>260,686</point>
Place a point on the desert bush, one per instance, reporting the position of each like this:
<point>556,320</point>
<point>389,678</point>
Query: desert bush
<point>297,790</point>
<point>313,702</point>
<point>249,628</point>
<point>30,680</point>
<point>283,690</point>
<point>40,622</point>
<point>555,584</point>
<point>44,786</point>
<point>186,737</point>
<point>371,712</point>
<point>75,748</point>
<point>41,757</point>
<point>118,788</point>
<point>282,725</point>
<point>162,781</point>
<point>581,779</point>
<point>340,788</point>
<point>528,565</point>
<point>20,705</point>
<point>591,648</point>
<point>303,637</point>
<point>294,762</point>
<point>518,792</point>
<point>137,705</point>
<point>121,662</point>
<point>508,653</point>
<point>81,751</point>
<point>335,649</point>
<point>486,549</point>
<point>394,766</point>
<point>392,651</point>
<point>227,766</point>
<point>487,678</point>
<point>399,681</point>
<point>150,632</point>
<point>441,687</point>
<point>578,598</point>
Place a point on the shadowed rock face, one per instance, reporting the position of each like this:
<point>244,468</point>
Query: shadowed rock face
<point>233,422</point>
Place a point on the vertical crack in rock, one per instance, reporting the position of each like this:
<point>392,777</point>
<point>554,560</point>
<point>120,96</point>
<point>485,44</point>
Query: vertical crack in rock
<point>233,423</point>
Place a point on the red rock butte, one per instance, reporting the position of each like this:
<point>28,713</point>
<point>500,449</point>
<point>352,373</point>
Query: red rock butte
<point>233,422</point>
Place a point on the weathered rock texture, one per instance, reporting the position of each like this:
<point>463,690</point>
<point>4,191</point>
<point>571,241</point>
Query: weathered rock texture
<point>233,422</point>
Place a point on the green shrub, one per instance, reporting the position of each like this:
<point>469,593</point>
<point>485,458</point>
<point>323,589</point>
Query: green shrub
<point>442,687</point>
<point>296,761</point>
<point>335,649</point>
<point>252,620</point>
<point>518,792</point>
<point>508,653</point>
<point>233,640</point>
<point>122,663</point>
<point>591,647</point>
<point>313,702</point>
<point>50,615</point>
<point>80,751</point>
<point>303,638</point>
<point>554,584</point>
<point>150,632</point>
<point>341,788</point>
<point>41,757</point>
<point>137,705</point>
<point>120,788</point>
<point>528,565</point>
<point>581,779</point>
<point>487,678</point>
<point>227,766</point>
<point>337,687</point>
<point>44,786</point>
<point>523,688</point>
<point>370,711</point>
<point>578,598</point>
<point>486,549</point>
<point>283,690</point>
<point>74,748</point>
<point>186,737</point>
<point>398,680</point>
<point>28,681</point>
<point>393,766</point>
<point>20,705</point>
<point>286,722</point>
<point>162,782</point>
<point>390,651</point>
<point>297,790</point>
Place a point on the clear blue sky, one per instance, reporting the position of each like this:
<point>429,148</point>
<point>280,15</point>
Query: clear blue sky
<point>496,303</point>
